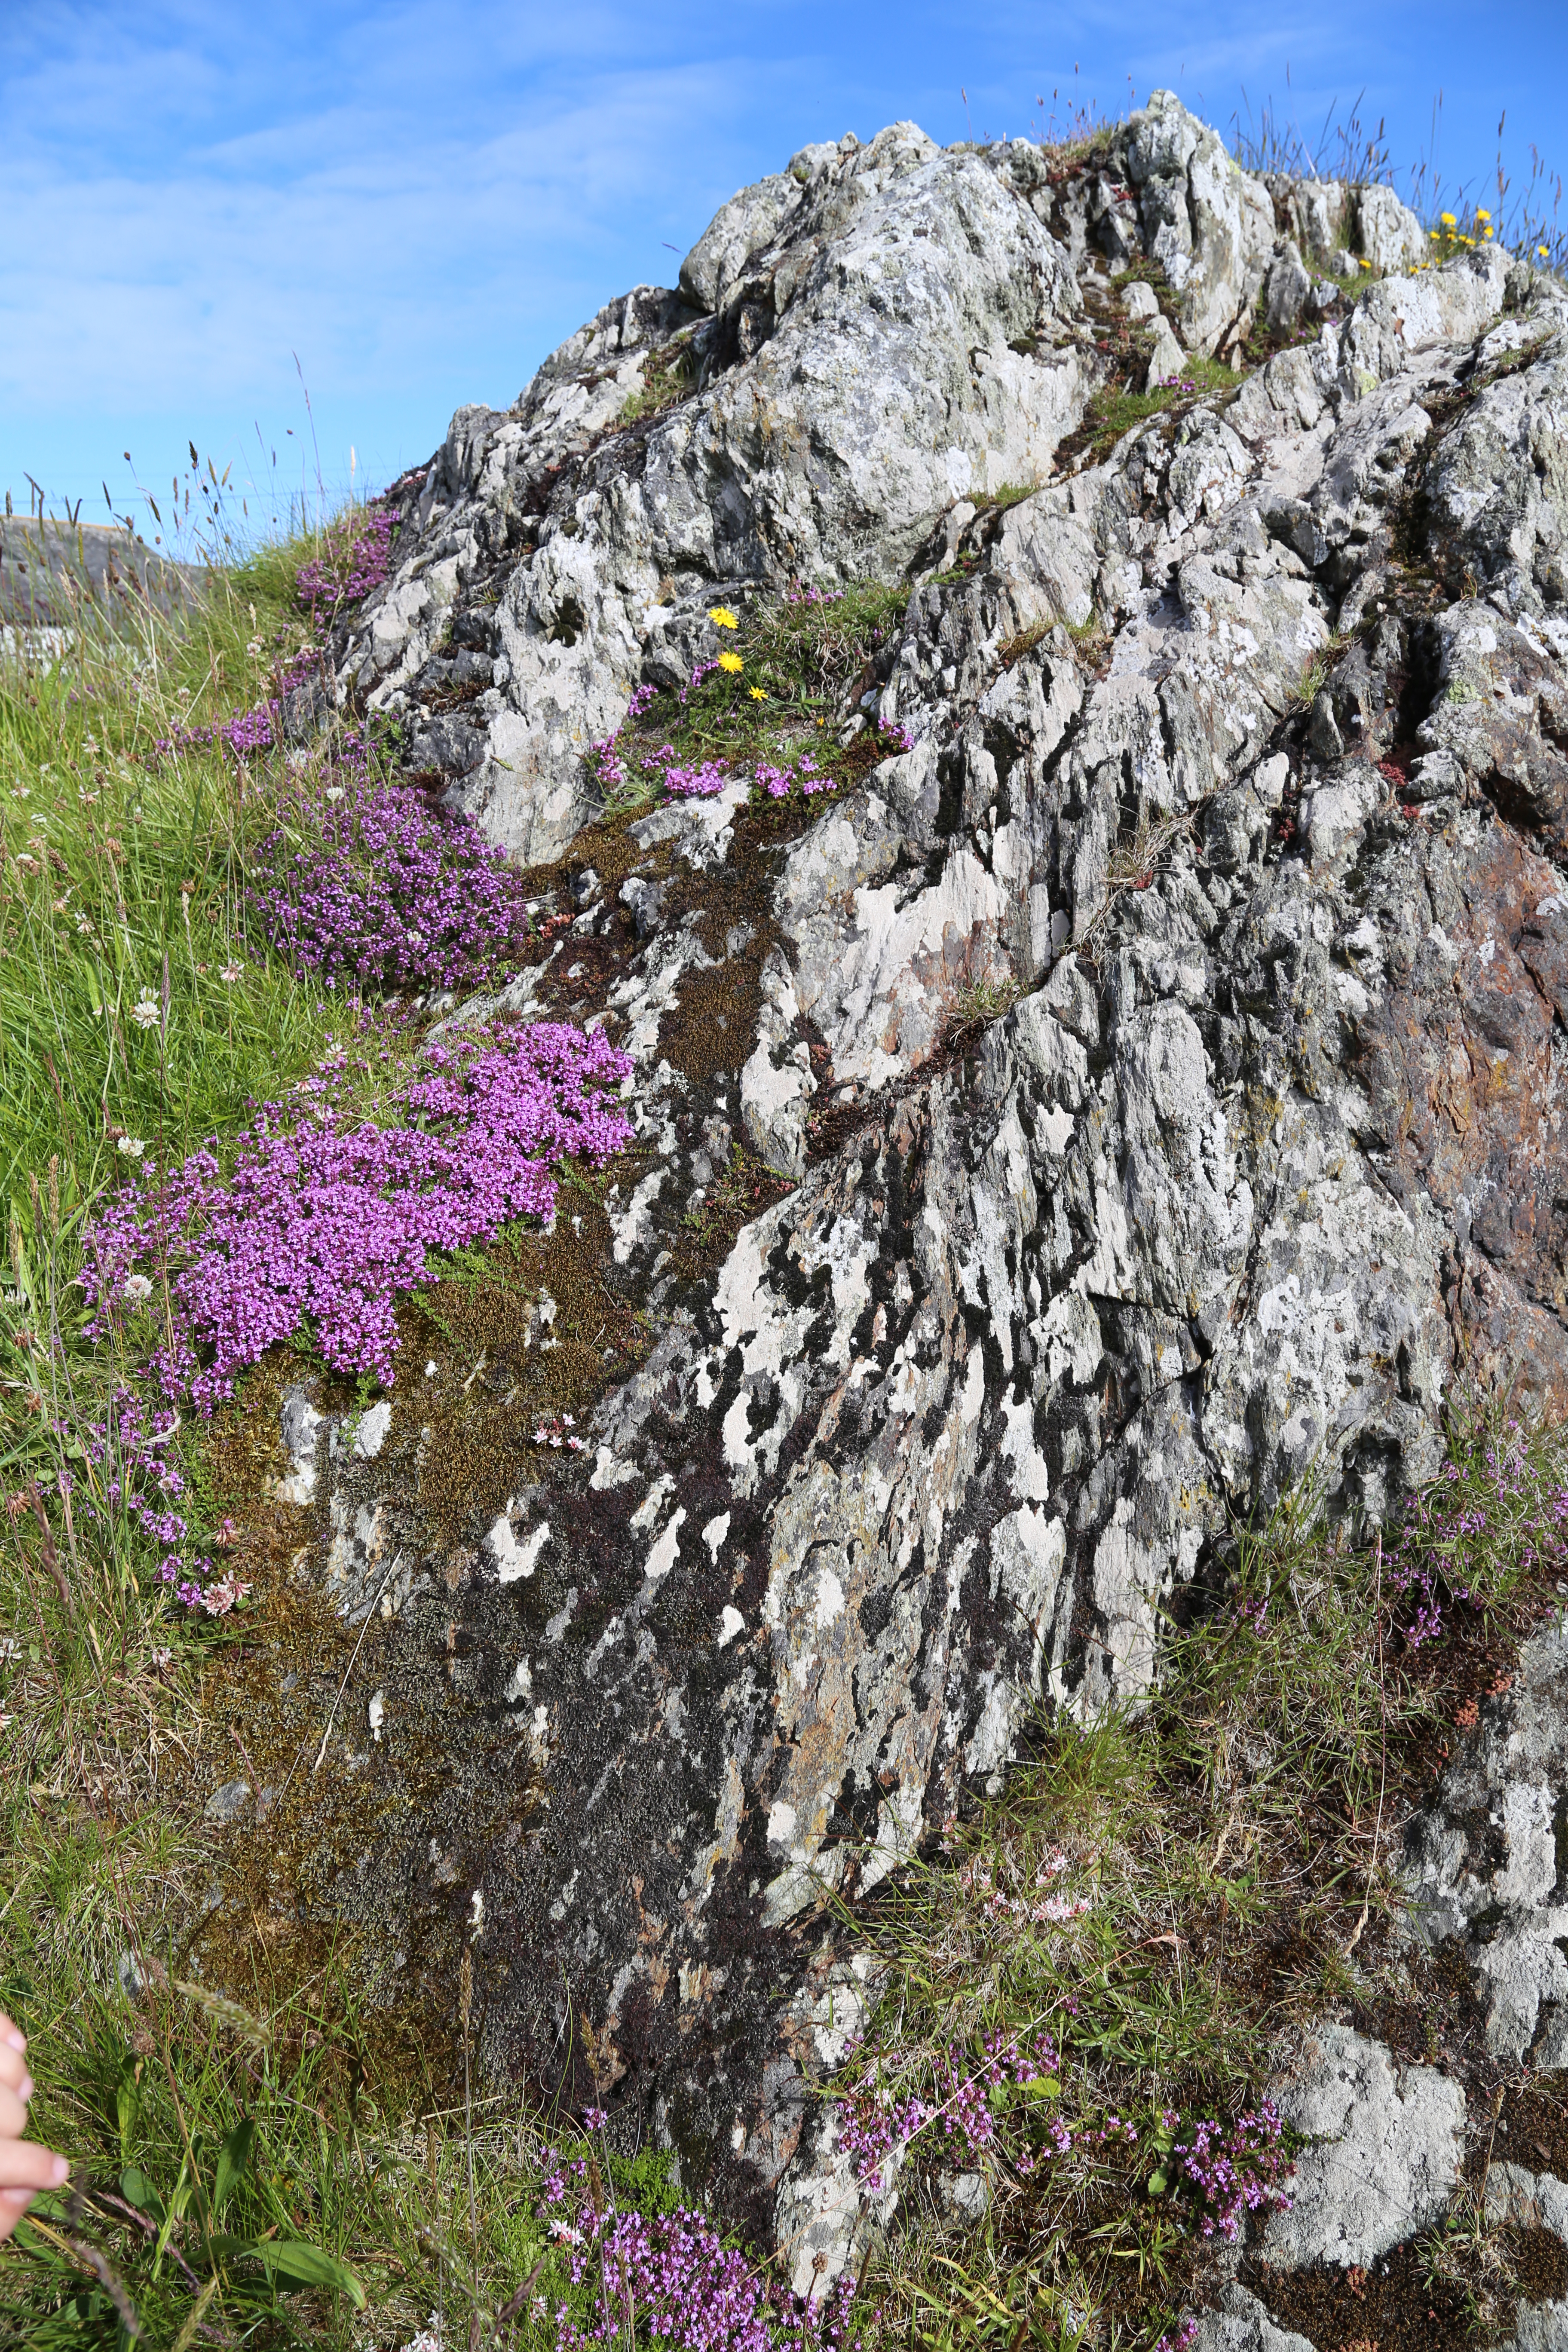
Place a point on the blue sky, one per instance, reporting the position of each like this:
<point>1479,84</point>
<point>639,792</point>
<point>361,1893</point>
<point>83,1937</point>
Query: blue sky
<point>420,199</point>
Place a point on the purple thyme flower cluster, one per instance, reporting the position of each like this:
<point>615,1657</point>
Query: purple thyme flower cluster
<point>795,594</point>
<point>256,729</point>
<point>372,883</point>
<point>133,1447</point>
<point>351,565</point>
<point>1489,1498</point>
<point>873,2121</point>
<point>674,2273</point>
<point>1185,2337</point>
<point>322,1226</point>
<point>1236,2167</point>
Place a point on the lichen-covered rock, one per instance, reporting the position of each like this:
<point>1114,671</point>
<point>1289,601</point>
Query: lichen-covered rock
<point>861,351</point>
<point>1242,2324</point>
<point>1485,1862</point>
<point>1157,1061</point>
<point>1384,2159</point>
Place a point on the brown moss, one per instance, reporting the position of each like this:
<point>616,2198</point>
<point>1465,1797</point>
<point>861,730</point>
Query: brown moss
<point>507,1367</point>
<point>1399,2305</point>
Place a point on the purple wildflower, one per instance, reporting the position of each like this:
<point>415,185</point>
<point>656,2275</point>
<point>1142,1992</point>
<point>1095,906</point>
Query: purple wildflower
<point>381,887</point>
<point>351,566</point>
<point>324,1226</point>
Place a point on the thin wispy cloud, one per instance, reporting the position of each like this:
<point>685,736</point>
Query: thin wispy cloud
<point>422,201</point>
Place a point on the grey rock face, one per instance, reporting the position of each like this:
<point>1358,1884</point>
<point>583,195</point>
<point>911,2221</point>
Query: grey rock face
<point>1388,232</point>
<point>863,350</point>
<point>1261,846</point>
<point>1242,2324</point>
<point>1287,287</point>
<point>1385,2156</point>
<point>1485,1864</point>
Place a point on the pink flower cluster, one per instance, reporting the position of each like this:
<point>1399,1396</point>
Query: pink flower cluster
<point>317,1229</point>
<point>374,884</point>
<point>351,565</point>
<point>1043,1908</point>
<point>1236,2167</point>
<point>674,2273</point>
<point>873,2121</point>
<point>558,1432</point>
<point>256,729</point>
<point>795,594</point>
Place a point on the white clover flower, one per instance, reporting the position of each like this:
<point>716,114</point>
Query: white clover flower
<point>232,971</point>
<point>132,1146</point>
<point>138,1289</point>
<point>333,792</point>
<point>144,1012</point>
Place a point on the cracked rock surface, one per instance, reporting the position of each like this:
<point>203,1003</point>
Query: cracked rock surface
<point>1238,774</point>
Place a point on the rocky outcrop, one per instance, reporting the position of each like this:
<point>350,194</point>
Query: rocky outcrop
<point>1233,774</point>
<point>56,576</point>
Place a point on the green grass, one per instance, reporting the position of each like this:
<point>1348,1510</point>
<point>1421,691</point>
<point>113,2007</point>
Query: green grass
<point>801,665</point>
<point>1115,410</point>
<point>669,377</point>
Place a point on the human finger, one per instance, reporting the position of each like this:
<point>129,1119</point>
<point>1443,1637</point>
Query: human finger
<point>14,2072</point>
<point>24,2164</point>
<point>10,2033</point>
<point>13,2114</point>
<point>14,2203</point>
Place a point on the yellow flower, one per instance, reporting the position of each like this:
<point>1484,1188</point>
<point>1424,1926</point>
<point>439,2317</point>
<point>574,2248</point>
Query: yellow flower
<point>1482,213</point>
<point>1541,251</point>
<point>731,662</point>
<point>722,618</point>
<point>757,694</point>
<point>1446,219</point>
<point>1364,262</point>
<point>1432,235</point>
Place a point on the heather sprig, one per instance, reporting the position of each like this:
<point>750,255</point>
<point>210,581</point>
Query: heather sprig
<point>874,2120</point>
<point>256,728</point>
<point>1496,1514</point>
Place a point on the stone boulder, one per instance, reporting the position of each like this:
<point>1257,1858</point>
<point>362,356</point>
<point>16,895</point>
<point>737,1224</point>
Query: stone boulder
<point>1139,1089</point>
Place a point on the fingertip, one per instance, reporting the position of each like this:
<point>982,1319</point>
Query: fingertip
<point>59,2172</point>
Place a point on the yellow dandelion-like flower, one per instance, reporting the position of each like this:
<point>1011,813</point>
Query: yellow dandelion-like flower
<point>1364,262</point>
<point>1482,213</point>
<point>722,618</point>
<point>1448,220</point>
<point>731,662</point>
<point>1435,238</point>
<point>757,694</point>
<point>1540,252</point>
